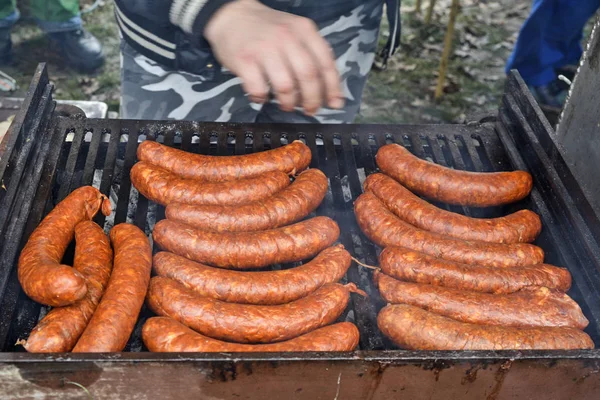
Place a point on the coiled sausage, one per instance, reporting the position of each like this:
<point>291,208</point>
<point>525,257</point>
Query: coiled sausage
<point>60,329</point>
<point>41,274</point>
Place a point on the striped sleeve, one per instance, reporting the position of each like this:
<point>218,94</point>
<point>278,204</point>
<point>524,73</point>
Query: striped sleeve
<point>193,15</point>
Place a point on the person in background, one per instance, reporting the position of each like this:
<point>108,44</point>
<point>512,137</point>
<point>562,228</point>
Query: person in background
<point>247,60</point>
<point>549,44</point>
<point>61,21</point>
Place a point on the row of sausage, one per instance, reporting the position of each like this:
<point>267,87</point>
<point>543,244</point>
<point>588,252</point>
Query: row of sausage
<point>458,283</point>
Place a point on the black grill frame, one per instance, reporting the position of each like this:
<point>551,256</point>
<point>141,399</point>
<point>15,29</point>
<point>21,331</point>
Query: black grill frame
<point>520,139</point>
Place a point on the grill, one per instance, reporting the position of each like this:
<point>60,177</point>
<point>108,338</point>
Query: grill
<point>51,150</point>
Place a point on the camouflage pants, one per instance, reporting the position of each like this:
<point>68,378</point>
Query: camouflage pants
<point>151,91</point>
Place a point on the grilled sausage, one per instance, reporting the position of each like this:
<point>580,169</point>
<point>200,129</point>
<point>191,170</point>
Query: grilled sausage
<point>385,229</point>
<point>162,334</point>
<point>163,187</point>
<point>245,323</point>
<point>116,315</point>
<point>267,288</point>
<point>60,329</point>
<point>41,274</point>
<point>413,328</point>
<point>412,266</point>
<point>534,306</point>
<point>291,159</point>
<point>247,249</point>
<point>522,226</point>
<point>477,189</point>
<point>290,205</point>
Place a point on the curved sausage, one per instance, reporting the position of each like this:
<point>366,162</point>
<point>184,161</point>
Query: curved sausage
<point>413,328</point>
<point>267,288</point>
<point>163,187</point>
<point>290,205</point>
<point>247,249</point>
<point>291,159</point>
<point>116,315</point>
<point>245,323</point>
<point>385,229</point>
<point>41,274</point>
<point>521,226</point>
<point>60,329</point>
<point>535,306</point>
<point>477,189</point>
<point>412,266</point>
<point>162,334</point>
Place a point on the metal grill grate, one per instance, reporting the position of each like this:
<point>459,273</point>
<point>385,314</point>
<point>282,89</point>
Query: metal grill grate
<point>101,152</point>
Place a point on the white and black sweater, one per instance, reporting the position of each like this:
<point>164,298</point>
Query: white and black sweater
<point>170,32</point>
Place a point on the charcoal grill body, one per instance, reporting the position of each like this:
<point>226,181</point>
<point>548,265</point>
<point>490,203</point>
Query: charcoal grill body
<point>49,153</point>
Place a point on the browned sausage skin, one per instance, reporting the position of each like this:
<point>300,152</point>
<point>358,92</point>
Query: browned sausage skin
<point>163,187</point>
<point>528,307</point>
<point>246,250</point>
<point>413,266</point>
<point>478,189</point>
<point>267,288</point>
<point>162,334</point>
<point>41,274</point>
<point>521,227</point>
<point>118,310</point>
<point>413,328</point>
<point>385,229</point>
<point>60,329</point>
<point>288,206</point>
<point>291,159</point>
<point>245,323</point>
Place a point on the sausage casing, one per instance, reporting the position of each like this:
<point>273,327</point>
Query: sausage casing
<point>385,229</point>
<point>288,206</point>
<point>267,288</point>
<point>528,307</point>
<point>247,249</point>
<point>41,274</point>
<point>413,266</point>
<point>520,227</point>
<point>60,329</point>
<point>161,334</point>
<point>416,329</point>
<point>118,310</point>
<point>245,323</point>
<point>164,187</point>
<point>478,189</point>
<point>291,159</point>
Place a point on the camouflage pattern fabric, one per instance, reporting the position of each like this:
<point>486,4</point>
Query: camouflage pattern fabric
<point>151,91</point>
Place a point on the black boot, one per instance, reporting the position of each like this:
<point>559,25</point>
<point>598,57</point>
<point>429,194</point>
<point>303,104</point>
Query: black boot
<point>5,46</point>
<point>80,49</point>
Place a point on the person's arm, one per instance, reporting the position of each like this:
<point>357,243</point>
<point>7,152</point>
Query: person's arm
<point>266,49</point>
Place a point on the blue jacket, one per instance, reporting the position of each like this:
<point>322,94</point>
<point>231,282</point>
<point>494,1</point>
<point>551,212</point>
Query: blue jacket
<point>170,31</point>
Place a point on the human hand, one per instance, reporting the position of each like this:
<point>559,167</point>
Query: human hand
<point>266,47</point>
